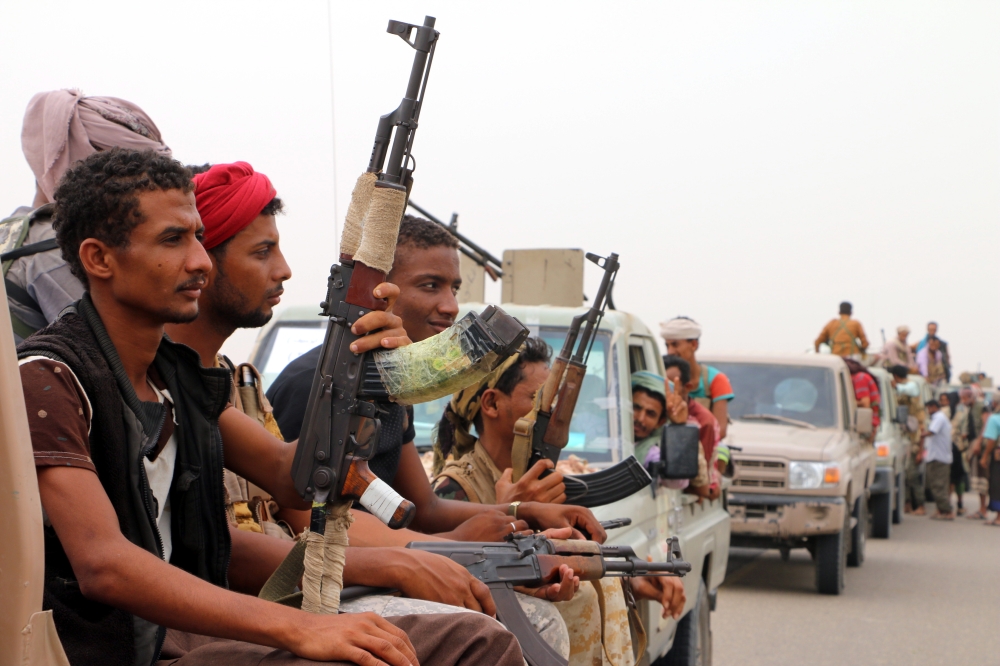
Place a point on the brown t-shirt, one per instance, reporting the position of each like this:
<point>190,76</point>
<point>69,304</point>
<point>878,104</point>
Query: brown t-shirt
<point>59,414</point>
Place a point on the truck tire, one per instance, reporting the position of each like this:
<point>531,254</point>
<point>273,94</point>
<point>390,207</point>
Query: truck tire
<point>831,560</point>
<point>859,534</point>
<point>897,510</point>
<point>693,640</point>
<point>882,514</point>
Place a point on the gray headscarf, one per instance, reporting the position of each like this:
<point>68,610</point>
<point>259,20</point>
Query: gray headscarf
<point>62,127</point>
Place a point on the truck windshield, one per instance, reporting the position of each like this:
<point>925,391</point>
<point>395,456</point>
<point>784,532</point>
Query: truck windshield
<point>594,430</point>
<point>791,393</point>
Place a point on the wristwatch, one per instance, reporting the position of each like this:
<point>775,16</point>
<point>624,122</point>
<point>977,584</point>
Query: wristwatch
<point>512,509</point>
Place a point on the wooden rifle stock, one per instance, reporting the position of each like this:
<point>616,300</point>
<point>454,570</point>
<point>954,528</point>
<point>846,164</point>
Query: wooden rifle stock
<point>557,432</point>
<point>357,481</point>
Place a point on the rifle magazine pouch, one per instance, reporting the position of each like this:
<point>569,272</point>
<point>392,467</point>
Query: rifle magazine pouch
<point>520,454</point>
<point>680,451</point>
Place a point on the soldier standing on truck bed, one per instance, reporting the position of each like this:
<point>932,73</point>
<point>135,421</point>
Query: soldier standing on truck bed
<point>845,336</point>
<point>908,395</point>
<point>712,388</point>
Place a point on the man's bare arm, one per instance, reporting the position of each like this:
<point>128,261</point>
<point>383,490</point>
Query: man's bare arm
<point>112,570</point>
<point>720,410</point>
<point>467,521</point>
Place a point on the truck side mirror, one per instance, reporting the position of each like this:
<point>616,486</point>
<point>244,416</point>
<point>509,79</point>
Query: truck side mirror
<point>679,452</point>
<point>902,414</point>
<point>864,423</point>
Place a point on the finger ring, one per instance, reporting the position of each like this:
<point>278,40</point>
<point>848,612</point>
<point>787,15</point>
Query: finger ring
<point>513,527</point>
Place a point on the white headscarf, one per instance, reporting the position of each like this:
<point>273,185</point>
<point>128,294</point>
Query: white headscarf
<point>680,328</point>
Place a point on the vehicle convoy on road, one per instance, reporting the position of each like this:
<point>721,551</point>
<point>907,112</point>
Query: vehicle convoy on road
<point>601,433</point>
<point>891,446</point>
<point>803,467</point>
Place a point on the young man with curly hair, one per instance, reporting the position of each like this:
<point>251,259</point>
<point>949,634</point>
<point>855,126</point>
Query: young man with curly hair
<point>127,430</point>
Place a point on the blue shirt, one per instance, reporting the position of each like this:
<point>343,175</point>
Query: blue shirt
<point>992,427</point>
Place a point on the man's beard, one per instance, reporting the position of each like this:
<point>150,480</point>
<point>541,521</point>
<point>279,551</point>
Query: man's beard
<point>231,307</point>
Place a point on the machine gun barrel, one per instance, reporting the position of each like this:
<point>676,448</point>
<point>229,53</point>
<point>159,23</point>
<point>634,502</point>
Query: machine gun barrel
<point>467,247</point>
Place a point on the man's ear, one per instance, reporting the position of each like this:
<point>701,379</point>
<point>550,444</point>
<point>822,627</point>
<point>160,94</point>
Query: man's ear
<point>695,343</point>
<point>488,404</point>
<point>97,258</point>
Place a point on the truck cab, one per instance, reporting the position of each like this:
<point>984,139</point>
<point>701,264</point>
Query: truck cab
<point>803,460</point>
<point>601,433</point>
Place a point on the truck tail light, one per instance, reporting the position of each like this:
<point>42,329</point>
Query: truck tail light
<point>883,450</point>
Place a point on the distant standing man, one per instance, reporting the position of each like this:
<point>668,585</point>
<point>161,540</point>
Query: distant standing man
<point>937,454</point>
<point>908,395</point>
<point>845,336</point>
<point>712,388</point>
<point>932,329</point>
<point>898,352</point>
<point>930,362</point>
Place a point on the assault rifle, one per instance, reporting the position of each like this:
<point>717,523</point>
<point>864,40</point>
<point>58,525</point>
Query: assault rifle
<point>544,433</point>
<point>534,560</point>
<point>341,425</point>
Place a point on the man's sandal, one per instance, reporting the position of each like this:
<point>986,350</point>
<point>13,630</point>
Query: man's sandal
<point>978,515</point>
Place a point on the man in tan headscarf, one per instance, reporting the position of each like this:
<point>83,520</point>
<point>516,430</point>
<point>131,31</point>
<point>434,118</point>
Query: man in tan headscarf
<point>479,470</point>
<point>61,127</point>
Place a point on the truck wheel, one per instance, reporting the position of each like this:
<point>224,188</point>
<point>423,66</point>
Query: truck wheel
<point>897,511</point>
<point>831,559</point>
<point>882,515</point>
<point>859,534</point>
<point>693,640</point>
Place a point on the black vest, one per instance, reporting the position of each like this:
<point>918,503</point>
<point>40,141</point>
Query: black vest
<point>94,633</point>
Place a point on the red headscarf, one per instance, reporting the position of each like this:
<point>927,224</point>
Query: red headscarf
<point>229,198</point>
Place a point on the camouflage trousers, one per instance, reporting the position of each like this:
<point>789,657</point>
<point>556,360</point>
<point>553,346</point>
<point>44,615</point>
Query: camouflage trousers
<point>543,615</point>
<point>914,484</point>
<point>598,622</point>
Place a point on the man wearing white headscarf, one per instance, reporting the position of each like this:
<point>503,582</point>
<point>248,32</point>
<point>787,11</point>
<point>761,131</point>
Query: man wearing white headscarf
<point>709,387</point>
<point>61,127</point>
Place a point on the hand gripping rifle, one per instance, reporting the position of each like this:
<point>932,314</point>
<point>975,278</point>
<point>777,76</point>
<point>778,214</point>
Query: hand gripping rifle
<point>544,432</point>
<point>534,560</point>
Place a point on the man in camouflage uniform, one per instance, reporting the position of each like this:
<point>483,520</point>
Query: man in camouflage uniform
<point>908,395</point>
<point>478,469</point>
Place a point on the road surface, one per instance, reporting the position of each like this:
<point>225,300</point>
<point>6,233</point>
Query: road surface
<point>928,595</point>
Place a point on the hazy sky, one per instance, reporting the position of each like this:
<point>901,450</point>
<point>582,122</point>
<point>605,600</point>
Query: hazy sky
<point>753,163</point>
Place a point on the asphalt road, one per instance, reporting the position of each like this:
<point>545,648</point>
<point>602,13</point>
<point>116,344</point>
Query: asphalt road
<point>928,595</point>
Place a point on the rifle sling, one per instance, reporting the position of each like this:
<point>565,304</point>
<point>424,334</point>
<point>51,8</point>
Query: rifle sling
<point>535,650</point>
<point>30,249</point>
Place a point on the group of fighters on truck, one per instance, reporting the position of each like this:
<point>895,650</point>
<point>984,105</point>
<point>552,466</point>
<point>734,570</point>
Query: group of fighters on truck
<point>186,518</point>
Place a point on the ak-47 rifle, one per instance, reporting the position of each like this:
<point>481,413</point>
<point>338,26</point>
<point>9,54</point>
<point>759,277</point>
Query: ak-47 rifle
<point>534,560</point>
<point>544,433</point>
<point>341,426</point>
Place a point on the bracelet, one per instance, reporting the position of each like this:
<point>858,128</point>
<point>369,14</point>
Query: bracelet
<point>512,509</point>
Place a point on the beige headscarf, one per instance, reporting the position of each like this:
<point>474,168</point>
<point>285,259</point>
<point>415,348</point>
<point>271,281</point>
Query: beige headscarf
<point>62,127</point>
<point>453,433</point>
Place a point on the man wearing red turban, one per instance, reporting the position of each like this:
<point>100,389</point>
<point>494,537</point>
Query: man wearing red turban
<point>230,197</point>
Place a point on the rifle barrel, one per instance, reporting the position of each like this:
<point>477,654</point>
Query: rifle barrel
<point>483,254</point>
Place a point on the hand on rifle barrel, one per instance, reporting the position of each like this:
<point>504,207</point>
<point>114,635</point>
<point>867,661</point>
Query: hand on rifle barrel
<point>564,590</point>
<point>383,329</point>
<point>531,488</point>
<point>668,590</point>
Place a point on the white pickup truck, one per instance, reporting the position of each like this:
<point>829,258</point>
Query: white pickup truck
<point>601,432</point>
